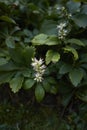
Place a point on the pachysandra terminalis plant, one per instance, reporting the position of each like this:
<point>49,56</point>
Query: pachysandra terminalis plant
<point>56,31</point>
<point>53,31</point>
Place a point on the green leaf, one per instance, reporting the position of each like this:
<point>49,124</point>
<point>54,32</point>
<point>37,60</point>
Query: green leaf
<point>80,20</point>
<point>39,39</point>
<point>76,76</point>
<point>27,72</point>
<point>5,77</point>
<point>10,42</point>
<point>28,83</point>
<point>65,68</point>
<point>22,55</point>
<point>73,6</point>
<point>56,57</point>
<point>27,33</point>
<point>49,56</point>
<point>16,83</point>
<point>7,19</point>
<point>39,92</point>
<point>28,54</point>
<point>84,9</point>
<point>10,66</point>
<point>52,56</point>
<point>17,55</point>
<point>3,61</point>
<point>52,40</point>
<point>76,41</point>
<point>49,27</point>
<point>46,85</point>
<point>43,39</point>
<point>72,50</point>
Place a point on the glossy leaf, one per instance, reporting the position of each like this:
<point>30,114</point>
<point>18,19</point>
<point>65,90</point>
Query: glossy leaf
<point>5,77</point>
<point>43,39</point>
<point>56,57</point>
<point>46,85</point>
<point>10,66</point>
<point>28,83</point>
<point>21,55</point>
<point>16,83</point>
<point>72,50</point>
<point>7,19</point>
<point>76,41</point>
<point>10,42</point>
<point>28,54</point>
<point>80,20</point>
<point>39,39</point>
<point>52,56</point>
<point>76,76</point>
<point>84,9</point>
<point>65,68</point>
<point>52,40</point>
<point>73,6</point>
<point>49,27</point>
<point>27,73</point>
<point>49,56</point>
<point>39,92</point>
<point>17,54</point>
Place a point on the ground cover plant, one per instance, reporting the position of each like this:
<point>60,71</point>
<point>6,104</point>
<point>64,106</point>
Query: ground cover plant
<point>43,60</point>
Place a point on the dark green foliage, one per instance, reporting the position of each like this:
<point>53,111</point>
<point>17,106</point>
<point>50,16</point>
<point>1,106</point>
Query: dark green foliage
<point>55,31</point>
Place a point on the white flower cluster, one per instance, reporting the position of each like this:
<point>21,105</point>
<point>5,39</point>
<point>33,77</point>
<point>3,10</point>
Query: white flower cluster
<point>60,8</point>
<point>39,68</point>
<point>69,15</point>
<point>62,32</point>
<point>64,12</point>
